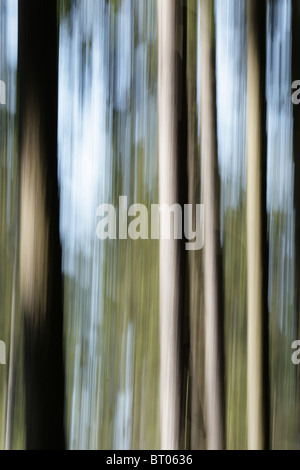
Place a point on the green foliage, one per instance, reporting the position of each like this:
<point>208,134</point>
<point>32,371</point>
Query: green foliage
<point>235,304</point>
<point>65,7</point>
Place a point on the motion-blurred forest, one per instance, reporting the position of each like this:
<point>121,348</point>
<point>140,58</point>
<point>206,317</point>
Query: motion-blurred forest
<point>141,344</point>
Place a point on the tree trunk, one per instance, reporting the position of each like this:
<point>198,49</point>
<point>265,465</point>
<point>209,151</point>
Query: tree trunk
<point>40,249</point>
<point>257,250</point>
<point>197,351</point>
<point>213,296</point>
<point>172,189</point>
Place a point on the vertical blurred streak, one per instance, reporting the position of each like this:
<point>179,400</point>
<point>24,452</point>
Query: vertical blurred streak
<point>213,297</point>
<point>182,198</point>
<point>167,14</point>
<point>11,371</point>
<point>296,154</point>
<point>40,249</point>
<point>257,333</point>
<point>195,257</point>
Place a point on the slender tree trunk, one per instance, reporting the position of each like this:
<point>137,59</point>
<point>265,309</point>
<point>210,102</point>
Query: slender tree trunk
<point>182,197</point>
<point>257,250</point>
<point>213,296</point>
<point>172,170</point>
<point>40,249</point>
<point>195,257</point>
<point>296,153</point>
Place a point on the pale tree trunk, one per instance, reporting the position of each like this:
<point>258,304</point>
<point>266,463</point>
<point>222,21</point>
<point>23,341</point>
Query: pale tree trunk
<point>213,297</point>
<point>257,373</point>
<point>195,257</point>
<point>40,249</point>
<point>170,250</point>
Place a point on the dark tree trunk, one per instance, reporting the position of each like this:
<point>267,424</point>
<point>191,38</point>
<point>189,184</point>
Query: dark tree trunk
<point>40,249</point>
<point>182,197</point>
